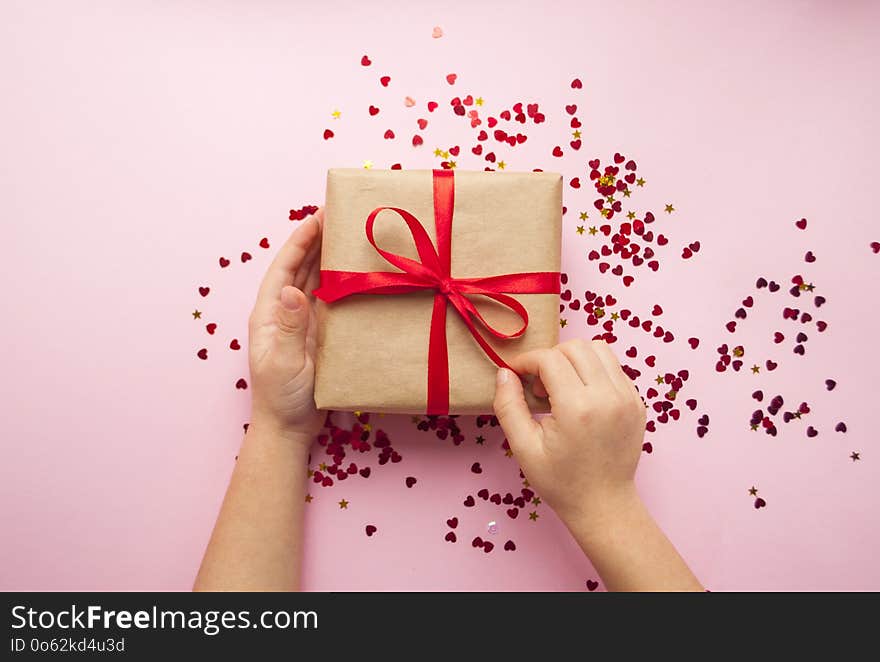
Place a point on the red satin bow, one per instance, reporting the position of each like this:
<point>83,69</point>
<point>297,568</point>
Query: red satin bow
<point>433,272</point>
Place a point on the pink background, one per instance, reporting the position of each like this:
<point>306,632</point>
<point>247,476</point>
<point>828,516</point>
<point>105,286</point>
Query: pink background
<point>139,141</point>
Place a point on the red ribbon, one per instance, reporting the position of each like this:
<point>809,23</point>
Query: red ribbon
<point>434,272</point>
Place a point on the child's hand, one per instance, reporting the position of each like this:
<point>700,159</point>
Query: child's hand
<point>282,338</point>
<point>582,457</point>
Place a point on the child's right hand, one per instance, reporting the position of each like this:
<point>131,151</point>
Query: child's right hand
<point>582,457</point>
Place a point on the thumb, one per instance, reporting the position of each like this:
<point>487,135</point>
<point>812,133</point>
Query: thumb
<point>514,416</point>
<point>292,319</point>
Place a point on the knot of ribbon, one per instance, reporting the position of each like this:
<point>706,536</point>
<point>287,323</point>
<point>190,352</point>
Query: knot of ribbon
<point>433,272</point>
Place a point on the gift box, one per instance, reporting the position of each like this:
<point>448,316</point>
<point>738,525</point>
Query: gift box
<point>429,279</point>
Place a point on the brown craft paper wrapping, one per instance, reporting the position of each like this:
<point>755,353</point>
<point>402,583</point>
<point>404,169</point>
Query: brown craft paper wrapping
<point>372,350</point>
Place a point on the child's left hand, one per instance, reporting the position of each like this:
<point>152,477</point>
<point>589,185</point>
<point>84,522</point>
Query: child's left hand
<point>282,330</point>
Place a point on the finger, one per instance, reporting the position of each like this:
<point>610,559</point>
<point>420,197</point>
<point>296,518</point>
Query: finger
<point>523,432</point>
<point>289,258</point>
<point>586,362</point>
<point>311,263</point>
<point>292,319</point>
<point>312,275</point>
<point>312,331</point>
<point>555,370</point>
<point>612,367</point>
<point>538,388</point>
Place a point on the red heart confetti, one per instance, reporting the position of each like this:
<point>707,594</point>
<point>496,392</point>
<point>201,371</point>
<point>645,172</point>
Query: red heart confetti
<point>627,245</point>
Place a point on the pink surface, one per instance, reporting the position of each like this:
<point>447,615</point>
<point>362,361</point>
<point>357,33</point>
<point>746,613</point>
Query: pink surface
<point>142,140</point>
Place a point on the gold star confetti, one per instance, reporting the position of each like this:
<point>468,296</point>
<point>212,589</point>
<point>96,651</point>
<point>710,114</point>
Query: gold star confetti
<point>309,498</point>
<point>438,152</point>
<point>452,164</point>
<point>479,101</point>
<point>368,164</point>
<point>615,316</point>
<point>754,427</point>
<point>322,466</point>
<point>630,215</point>
<point>534,515</point>
<point>580,229</point>
<point>508,452</point>
<point>593,230</point>
<point>525,482</point>
<point>367,427</point>
<point>502,165</point>
<point>444,154</point>
<point>756,369</point>
<point>626,193</point>
<point>606,180</point>
<point>797,414</point>
<point>197,314</point>
<point>640,182</point>
<point>605,213</point>
<point>537,501</point>
<point>336,114</point>
<point>610,199</point>
<point>584,216</point>
<point>669,209</point>
<point>563,322</point>
<point>855,456</point>
<point>311,473</point>
<point>343,504</point>
<point>804,287</point>
<point>481,440</point>
<point>576,133</point>
<point>357,413</point>
<point>659,379</point>
<point>599,312</point>
<point>738,351</point>
<point>753,491</point>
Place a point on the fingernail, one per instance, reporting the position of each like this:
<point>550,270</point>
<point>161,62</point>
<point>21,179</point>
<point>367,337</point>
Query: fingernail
<point>290,299</point>
<point>503,374</point>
